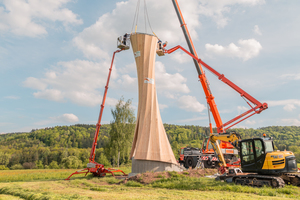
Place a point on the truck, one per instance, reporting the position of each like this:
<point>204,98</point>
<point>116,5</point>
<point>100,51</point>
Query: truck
<point>190,156</point>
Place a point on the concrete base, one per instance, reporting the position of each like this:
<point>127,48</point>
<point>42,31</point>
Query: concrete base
<point>142,166</point>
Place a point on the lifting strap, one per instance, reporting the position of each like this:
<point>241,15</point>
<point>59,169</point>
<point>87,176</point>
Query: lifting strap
<point>146,18</point>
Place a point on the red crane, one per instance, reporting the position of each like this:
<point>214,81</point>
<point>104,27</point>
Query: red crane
<point>93,167</point>
<point>221,127</point>
<point>256,108</point>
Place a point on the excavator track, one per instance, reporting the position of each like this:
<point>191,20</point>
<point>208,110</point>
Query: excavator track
<point>293,179</point>
<point>259,180</point>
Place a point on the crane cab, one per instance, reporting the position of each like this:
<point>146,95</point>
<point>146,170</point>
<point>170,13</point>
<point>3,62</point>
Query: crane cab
<point>258,156</point>
<point>123,42</point>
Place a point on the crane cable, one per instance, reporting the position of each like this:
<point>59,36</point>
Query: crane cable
<point>146,17</point>
<point>146,11</point>
<point>136,16</point>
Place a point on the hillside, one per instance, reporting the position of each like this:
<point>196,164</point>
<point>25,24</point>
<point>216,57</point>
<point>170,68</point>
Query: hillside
<point>69,146</point>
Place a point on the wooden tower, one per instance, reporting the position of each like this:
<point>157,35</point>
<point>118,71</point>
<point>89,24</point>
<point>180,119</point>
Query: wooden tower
<point>150,141</point>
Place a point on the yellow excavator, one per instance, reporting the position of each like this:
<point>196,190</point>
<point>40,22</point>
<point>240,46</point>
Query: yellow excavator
<point>260,164</point>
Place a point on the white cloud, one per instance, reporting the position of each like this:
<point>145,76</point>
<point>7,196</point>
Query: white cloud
<point>34,83</point>
<point>162,106</point>
<point>50,94</point>
<point>190,103</point>
<point>77,81</point>
<point>256,30</point>
<point>289,107</point>
<point>181,57</point>
<point>68,117</point>
<point>247,49</point>
<point>65,118</point>
<point>250,122</point>
<point>100,38</point>
<point>291,122</point>
<point>216,9</point>
<point>28,17</point>
<point>288,104</point>
<point>169,83</point>
<point>191,119</point>
<point>242,109</point>
<point>241,126</point>
<point>127,83</point>
<point>127,69</point>
<point>290,76</point>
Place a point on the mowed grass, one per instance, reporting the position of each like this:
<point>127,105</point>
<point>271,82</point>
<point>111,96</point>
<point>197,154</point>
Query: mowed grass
<point>45,174</point>
<point>34,174</point>
<point>93,189</point>
<point>50,184</point>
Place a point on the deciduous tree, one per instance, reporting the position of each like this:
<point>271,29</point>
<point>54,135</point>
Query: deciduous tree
<point>122,130</point>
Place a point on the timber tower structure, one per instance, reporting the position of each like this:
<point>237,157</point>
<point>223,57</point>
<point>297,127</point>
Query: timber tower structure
<point>151,150</point>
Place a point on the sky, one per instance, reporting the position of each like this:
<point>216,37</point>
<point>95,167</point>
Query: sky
<point>55,56</point>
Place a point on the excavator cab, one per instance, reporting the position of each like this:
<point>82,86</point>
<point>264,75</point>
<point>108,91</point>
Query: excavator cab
<point>258,156</point>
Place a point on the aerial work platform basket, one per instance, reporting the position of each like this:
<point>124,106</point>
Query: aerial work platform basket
<point>123,42</point>
<point>160,50</point>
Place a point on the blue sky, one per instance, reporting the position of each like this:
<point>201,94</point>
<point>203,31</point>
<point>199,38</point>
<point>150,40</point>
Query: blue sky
<point>55,55</point>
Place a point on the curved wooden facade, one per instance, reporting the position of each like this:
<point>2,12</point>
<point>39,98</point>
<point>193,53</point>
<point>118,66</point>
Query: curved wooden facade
<point>150,139</point>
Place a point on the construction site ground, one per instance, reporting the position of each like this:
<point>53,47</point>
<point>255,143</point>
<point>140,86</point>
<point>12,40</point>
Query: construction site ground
<point>150,177</point>
<point>190,184</point>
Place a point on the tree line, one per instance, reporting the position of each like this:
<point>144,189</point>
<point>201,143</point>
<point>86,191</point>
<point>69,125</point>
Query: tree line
<point>70,146</point>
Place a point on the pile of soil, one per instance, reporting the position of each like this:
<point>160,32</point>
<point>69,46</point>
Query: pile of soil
<point>149,177</point>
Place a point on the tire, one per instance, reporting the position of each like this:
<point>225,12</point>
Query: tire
<point>189,162</point>
<point>208,164</point>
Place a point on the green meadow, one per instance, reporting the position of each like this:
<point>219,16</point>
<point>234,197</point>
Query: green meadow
<point>50,184</point>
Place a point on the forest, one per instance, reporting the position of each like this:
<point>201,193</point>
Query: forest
<point>70,146</point>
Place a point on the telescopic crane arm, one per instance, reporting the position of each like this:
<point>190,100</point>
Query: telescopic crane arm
<point>98,125</point>
<point>94,167</point>
<point>209,97</point>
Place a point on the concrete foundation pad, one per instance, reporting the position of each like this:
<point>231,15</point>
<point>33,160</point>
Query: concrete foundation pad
<point>142,166</point>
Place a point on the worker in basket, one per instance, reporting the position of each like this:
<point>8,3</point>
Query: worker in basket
<point>125,38</point>
<point>161,46</point>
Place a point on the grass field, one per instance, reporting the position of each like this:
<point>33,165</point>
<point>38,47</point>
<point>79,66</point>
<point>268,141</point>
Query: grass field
<point>50,184</point>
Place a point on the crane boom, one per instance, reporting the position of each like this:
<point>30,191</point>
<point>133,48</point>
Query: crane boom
<point>98,125</point>
<point>209,97</point>
<point>93,167</point>
<point>259,107</point>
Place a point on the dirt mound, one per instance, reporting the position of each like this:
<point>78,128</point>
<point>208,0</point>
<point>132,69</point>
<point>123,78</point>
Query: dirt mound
<point>150,177</point>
